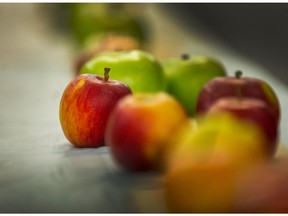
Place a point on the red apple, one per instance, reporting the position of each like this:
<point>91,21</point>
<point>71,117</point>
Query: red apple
<point>263,189</point>
<point>255,111</point>
<point>233,86</point>
<point>140,129</point>
<point>85,106</point>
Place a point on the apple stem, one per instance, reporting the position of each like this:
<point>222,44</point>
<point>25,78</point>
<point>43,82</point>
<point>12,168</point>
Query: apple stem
<point>238,74</point>
<point>185,56</point>
<point>106,74</point>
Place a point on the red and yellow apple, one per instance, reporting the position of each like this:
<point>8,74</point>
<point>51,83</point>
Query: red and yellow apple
<point>201,174</point>
<point>140,127</point>
<point>85,106</point>
<point>234,86</point>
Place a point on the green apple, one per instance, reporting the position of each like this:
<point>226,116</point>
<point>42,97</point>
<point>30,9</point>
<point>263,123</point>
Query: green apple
<point>104,42</point>
<point>93,18</point>
<point>187,75</point>
<point>139,69</point>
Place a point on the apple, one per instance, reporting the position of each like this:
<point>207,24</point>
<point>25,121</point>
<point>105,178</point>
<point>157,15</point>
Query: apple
<point>105,42</point>
<point>186,76</point>
<point>140,127</point>
<point>85,106</point>
<point>91,19</point>
<point>255,111</point>
<point>137,68</point>
<point>263,189</point>
<point>233,86</point>
<point>201,175</point>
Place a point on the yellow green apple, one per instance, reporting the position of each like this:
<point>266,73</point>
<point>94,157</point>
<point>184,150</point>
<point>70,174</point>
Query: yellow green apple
<point>201,174</point>
<point>256,112</point>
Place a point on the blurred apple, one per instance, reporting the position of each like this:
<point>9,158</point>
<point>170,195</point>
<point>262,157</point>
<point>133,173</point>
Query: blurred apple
<point>140,128</point>
<point>201,174</point>
<point>88,19</point>
<point>263,189</point>
<point>85,106</point>
<point>139,69</point>
<point>186,76</point>
<point>105,42</point>
<point>255,111</point>
<point>234,86</point>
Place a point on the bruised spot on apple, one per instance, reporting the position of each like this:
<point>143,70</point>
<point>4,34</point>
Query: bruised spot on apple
<point>140,127</point>
<point>85,106</point>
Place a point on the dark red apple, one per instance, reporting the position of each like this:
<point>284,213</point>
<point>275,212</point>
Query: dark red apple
<point>234,86</point>
<point>85,106</point>
<point>255,111</point>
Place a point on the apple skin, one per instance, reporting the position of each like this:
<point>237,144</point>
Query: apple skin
<point>105,42</point>
<point>202,174</point>
<point>85,106</point>
<point>187,75</point>
<point>232,86</point>
<point>137,68</point>
<point>252,110</point>
<point>140,128</point>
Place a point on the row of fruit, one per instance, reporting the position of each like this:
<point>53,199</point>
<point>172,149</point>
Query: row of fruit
<point>201,129</point>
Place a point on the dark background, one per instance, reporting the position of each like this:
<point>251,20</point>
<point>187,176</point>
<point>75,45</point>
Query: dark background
<point>258,31</point>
